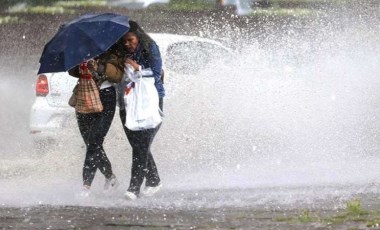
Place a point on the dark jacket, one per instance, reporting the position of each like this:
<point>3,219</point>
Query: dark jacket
<point>152,61</point>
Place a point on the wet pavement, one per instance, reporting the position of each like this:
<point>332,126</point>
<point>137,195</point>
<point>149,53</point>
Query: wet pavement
<point>200,211</point>
<point>70,217</point>
<point>79,217</point>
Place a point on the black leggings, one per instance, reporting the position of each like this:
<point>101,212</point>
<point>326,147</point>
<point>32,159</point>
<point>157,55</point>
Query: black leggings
<point>93,128</point>
<point>143,164</point>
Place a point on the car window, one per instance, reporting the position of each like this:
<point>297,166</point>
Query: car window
<point>188,57</point>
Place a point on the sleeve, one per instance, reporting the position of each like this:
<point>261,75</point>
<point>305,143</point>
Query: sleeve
<point>114,68</point>
<point>113,73</point>
<point>156,62</point>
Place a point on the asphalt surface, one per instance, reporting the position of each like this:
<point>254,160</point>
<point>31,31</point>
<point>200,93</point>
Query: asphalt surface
<point>151,216</point>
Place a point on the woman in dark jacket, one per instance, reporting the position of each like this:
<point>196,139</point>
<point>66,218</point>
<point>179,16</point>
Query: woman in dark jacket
<point>142,53</point>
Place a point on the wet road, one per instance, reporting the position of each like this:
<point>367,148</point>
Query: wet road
<point>263,208</point>
<point>71,217</point>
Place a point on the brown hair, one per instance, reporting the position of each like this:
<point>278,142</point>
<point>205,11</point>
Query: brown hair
<point>144,39</point>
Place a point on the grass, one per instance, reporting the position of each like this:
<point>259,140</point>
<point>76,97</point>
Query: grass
<point>45,10</point>
<point>59,7</point>
<point>81,3</point>
<point>9,19</point>
<point>304,217</point>
<point>190,5</point>
<point>302,2</point>
<point>373,223</point>
<point>354,212</point>
<point>307,217</point>
<point>276,11</point>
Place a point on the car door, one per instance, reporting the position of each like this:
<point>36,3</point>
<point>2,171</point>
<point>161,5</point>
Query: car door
<point>60,89</point>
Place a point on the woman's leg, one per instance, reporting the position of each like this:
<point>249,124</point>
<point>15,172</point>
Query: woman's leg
<point>152,177</point>
<point>140,142</point>
<point>100,129</point>
<point>85,122</point>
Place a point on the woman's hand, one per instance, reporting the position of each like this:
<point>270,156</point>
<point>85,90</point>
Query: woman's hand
<point>133,63</point>
<point>130,74</point>
<point>92,65</point>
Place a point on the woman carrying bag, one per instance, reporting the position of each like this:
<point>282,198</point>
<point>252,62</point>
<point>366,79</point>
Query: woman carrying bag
<point>95,108</point>
<point>143,59</point>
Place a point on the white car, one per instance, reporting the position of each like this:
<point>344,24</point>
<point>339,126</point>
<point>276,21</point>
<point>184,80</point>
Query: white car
<point>51,116</point>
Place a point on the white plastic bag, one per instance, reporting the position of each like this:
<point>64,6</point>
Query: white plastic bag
<point>142,107</point>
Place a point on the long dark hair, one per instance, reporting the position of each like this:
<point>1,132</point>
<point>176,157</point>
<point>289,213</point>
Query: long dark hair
<point>145,40</point>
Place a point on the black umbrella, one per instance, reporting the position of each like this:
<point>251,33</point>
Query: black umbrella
<point>82,39</point>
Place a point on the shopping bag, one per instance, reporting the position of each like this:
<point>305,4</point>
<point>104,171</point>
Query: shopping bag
<point>87,95</point>
<point>142,105</point>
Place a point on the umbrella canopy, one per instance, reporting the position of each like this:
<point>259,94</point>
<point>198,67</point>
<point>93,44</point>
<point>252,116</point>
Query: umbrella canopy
<point>82,39</point>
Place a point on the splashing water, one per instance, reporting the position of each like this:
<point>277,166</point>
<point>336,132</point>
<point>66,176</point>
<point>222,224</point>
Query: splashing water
<point>287,114</point>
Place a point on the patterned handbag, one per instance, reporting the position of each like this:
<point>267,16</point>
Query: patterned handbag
<point>87,95</point>
<point>73,98</point>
